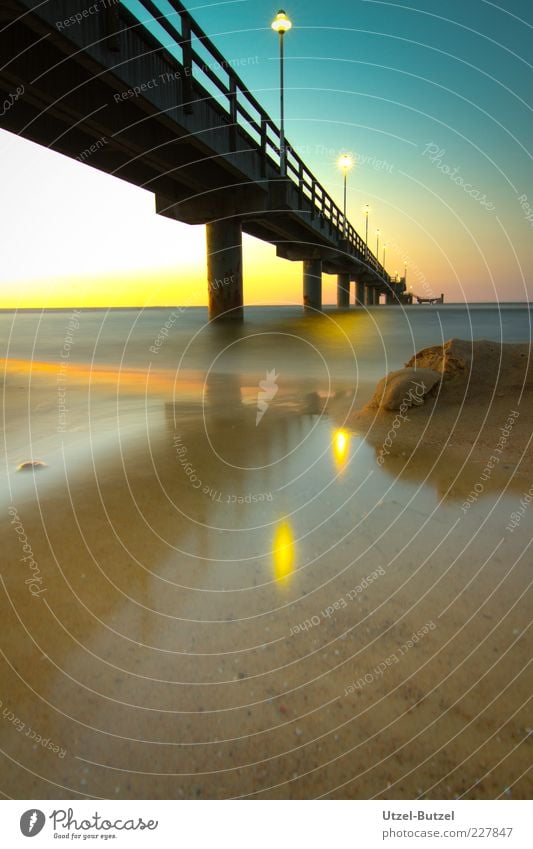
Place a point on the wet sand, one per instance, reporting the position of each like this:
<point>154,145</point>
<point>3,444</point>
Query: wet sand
<point>287,620</point>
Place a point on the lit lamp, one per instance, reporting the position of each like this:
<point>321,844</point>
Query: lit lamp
<point>281,24</point>
<point>377,244</point>
<point>345,162</point>
<point>384,253</point>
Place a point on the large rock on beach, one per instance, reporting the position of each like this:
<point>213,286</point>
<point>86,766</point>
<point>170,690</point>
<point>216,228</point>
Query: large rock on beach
<point>404,388</point>
<point>476,369</point>
<point>471,398</point>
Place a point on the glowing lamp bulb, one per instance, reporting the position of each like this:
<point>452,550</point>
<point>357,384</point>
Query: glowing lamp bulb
<point>281,23</point>
<point>345,161</point>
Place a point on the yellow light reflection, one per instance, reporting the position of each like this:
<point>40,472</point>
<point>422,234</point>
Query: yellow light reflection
<point>283,551</point>
<point>341,446</point>
<point>138,381</point>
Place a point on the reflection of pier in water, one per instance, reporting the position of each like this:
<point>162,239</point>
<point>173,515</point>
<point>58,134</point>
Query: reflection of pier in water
<point>230,450</point>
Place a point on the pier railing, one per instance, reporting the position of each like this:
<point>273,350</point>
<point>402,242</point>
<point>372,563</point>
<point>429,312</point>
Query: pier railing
<point>198,59</point>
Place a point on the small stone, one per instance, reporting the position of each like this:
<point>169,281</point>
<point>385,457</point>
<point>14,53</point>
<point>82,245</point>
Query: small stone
<point>298,732</point>
<point>30,465</point>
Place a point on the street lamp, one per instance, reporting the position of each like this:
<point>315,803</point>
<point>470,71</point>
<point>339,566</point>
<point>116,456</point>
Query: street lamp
<point>281,24</point>
<point>384,253</point>
<point>345,162</point>
<point>366,210</point>
<point>377,244</point>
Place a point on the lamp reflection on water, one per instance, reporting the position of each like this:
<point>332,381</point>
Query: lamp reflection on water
<point>283,551</point>
<point>341,447</point>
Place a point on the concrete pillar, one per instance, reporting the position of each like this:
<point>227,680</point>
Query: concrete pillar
<point>313,284</point>
<point>369,296</point>
<point>343,291</point>
<point>376,297</point>
<point>359,293</point>
<point>224,269</point>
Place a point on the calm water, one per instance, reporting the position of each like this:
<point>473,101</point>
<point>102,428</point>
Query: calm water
<point>362,343</point>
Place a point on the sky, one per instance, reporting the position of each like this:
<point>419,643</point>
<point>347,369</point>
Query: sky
<point>433,101</point>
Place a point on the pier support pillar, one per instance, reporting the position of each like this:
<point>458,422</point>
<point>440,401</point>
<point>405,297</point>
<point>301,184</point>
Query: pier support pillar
<point>313,284</point>
<point>343,291</point>
<point>369,296</point>
<point>359,293</point>
<point>376,297</point>
<point>224,269</point>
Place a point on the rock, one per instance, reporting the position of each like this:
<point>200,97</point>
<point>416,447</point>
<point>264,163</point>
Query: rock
<point>406,387</point>
<point>30,465</point>
<point>477,369</point>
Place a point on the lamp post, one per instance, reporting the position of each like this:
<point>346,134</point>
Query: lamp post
<point>384,253</point>
<point>345,162</point>
<point>366,210</point>
<point>281,24</point>
<point>377,244</point>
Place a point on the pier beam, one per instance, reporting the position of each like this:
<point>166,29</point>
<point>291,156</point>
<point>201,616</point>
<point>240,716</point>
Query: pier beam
<point>359,293</point>
<point>313,284</point>
<point>343,291</point>
<point>224,269</point>
<point>369,296</point>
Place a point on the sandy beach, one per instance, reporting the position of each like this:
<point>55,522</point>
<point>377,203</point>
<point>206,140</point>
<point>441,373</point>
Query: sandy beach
<point>212,607</point>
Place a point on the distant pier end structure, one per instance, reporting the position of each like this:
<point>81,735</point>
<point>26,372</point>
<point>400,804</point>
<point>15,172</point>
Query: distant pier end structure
<point>148,98</point>
<point>435,300</point>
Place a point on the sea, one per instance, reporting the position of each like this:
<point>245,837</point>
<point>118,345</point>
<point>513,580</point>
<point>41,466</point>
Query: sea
<point>367,342</point>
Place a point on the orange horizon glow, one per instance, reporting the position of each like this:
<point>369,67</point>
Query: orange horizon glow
<point>271,284</point>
